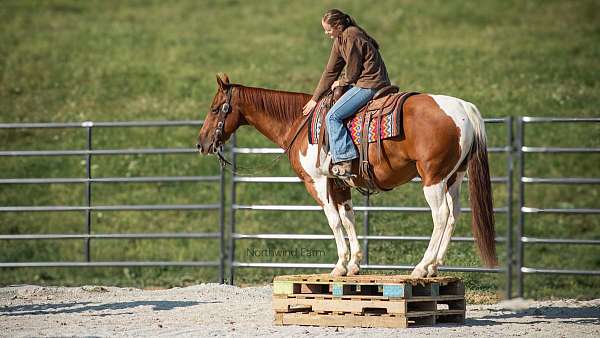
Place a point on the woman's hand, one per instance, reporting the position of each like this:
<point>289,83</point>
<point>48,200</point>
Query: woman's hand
<point>336,83</point>
<point>308,107</point>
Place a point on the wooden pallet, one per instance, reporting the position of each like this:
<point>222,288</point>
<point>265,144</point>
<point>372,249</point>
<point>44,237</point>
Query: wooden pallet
<point>396,286</point>
<point>367,301</point>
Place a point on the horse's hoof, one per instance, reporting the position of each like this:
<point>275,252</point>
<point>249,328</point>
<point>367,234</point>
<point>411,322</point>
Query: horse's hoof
<point>353,270</point>
<point>418,273</point>
<point>338,271</point>
<point>432,270</point>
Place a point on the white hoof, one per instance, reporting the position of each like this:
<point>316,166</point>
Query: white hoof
<point>418,273</point>
<point>432,270</point>
<point>353,269</point>
<point>338,271</point>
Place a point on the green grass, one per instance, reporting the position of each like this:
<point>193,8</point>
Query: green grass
<point>68,61</point>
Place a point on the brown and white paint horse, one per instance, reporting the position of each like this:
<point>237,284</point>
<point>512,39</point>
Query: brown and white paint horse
<point>444,136</point>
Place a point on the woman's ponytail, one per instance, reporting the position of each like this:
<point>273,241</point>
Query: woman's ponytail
<point>336,17</point>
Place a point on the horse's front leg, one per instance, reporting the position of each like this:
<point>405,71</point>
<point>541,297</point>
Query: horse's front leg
<point>343,200</point>
<point>335,223</point>
<point>337,207</point>
<point>317,187</point>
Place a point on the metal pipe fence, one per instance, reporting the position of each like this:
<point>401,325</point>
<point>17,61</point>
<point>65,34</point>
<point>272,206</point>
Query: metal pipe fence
<point>515,268</point>
<point>524,180</point>
<point>89,207</point>
<point>366,209</point>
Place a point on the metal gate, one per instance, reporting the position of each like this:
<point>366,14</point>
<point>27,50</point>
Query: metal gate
<point>87,234</point>
<point>515,267</point>
<point>523,267</point>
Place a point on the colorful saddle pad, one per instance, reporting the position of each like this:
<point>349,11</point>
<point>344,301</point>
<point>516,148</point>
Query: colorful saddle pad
<point>391,119</point>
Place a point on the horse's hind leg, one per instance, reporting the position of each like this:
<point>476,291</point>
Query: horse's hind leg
<point>453,200</point>
<point>435,195</point>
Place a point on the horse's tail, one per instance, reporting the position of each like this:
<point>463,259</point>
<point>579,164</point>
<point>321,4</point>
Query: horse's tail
<point>480,190</point>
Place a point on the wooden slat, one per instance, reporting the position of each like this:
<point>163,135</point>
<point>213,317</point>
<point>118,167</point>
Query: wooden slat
<point>450,312</point>
<point>285,287</point>
<point>406,291</point>
<point>438,298</point>
<point>351,320</point>
<point>310,284</point>
<point>401,290</point>
<point>340,320</point>
<point>365,279</point>
<point>333,305</point>
<point>369,297</point>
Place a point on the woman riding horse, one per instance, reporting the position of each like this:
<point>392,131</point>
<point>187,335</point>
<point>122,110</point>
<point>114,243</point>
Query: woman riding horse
<point>365,72</point>
<point>443,137</point>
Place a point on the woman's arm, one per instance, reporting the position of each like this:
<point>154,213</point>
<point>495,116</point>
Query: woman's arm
<point>333,69</point>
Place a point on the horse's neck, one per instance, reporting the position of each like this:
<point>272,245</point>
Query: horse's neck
<point>273,113</point>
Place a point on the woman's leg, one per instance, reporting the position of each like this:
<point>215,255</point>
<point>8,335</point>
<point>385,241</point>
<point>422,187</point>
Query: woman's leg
<point>340,142</point>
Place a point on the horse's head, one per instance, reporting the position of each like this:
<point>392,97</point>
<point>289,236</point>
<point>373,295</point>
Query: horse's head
<point>222,120</point>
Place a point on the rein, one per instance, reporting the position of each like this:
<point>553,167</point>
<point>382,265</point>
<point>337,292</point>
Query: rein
<point>300,127</point>
<point>224,162</point>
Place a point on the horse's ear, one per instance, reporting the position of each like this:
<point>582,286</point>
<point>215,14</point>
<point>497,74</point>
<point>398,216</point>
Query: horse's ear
<point>222,80</point>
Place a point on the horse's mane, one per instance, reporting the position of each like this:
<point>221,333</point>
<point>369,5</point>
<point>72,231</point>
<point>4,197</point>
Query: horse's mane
<point>281,105</point>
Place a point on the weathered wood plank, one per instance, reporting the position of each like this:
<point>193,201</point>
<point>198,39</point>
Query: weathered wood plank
<point>342,320</point>
<point>370,297</point>
<point>366,279</point>
<point>356,306</point>
<point>369,285</point>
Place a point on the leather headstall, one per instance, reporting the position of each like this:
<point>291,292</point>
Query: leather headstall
<point>222,112</point>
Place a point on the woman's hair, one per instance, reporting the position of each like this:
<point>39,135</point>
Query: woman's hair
<point>335,17</point>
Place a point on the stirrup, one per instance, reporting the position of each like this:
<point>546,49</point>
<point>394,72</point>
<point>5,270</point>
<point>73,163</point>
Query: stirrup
<point>344,176</point>
<point>342,170</point>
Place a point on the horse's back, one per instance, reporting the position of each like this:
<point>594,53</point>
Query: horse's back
<point>439,132</point>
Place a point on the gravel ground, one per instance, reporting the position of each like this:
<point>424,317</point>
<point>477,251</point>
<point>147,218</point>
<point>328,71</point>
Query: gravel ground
<point>222,310</point>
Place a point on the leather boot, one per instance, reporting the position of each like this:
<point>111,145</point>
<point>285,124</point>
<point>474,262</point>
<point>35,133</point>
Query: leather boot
<point>342,169</point>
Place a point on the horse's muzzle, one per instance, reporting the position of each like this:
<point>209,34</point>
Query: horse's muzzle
<point>205,149</point>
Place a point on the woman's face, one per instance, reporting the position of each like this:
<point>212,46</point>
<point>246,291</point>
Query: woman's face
<point>331,31</point>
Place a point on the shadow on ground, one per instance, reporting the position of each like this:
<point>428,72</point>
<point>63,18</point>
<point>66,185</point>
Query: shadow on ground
<point>568,315</point>
<point>44,309</point>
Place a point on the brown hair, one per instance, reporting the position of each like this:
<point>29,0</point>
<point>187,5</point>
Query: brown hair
<point>335,17</point>
<point>482,206</point>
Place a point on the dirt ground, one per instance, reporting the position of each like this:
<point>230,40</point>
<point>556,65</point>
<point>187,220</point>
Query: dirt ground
<point>222,310</point>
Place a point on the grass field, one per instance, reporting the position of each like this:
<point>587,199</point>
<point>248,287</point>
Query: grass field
<point>69,61</point>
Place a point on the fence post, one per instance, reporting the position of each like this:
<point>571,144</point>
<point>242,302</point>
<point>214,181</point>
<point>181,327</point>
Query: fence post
<point>88,190</point>
<point>222,225</point>
<point>231,230</point>
<point>521,224</point>
<point>509,201</point>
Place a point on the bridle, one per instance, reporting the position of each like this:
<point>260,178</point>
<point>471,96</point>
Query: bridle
<point>222,112</point>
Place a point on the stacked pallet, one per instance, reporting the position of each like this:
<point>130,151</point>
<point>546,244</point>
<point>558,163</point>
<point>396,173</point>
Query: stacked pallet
<point>393,301</point>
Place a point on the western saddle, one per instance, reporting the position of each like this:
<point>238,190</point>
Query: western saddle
<point>387,100</point>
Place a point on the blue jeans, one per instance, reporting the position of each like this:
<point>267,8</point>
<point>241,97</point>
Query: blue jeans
<point>340,142</point>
